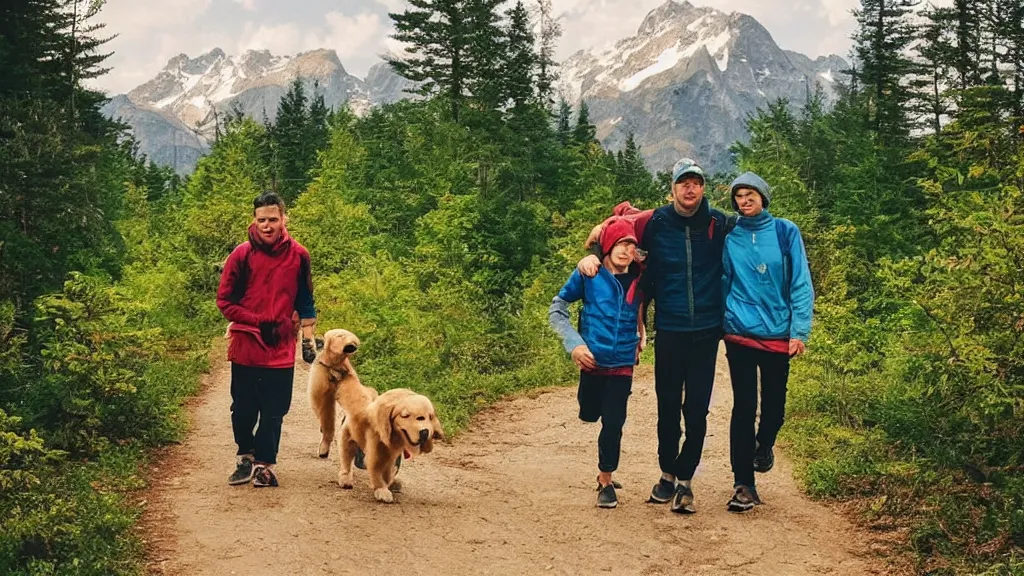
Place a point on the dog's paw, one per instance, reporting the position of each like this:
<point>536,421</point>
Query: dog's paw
<point>324,450</point>
<point>345,480</point>
<point>396,485</point>
<point>384,495</point>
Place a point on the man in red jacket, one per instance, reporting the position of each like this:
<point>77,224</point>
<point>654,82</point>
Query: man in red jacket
<point>265,282</point>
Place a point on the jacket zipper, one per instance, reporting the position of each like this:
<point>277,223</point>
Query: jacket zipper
<point>689,275</point>
<point>622,298</point>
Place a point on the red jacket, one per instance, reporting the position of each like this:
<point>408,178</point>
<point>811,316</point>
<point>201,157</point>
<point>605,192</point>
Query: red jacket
<point>260,284</point>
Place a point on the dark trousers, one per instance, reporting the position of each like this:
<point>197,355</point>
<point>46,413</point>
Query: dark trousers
<point>744,363</point>
<point>605,398</point>
<point>262,395</point>
<point>683,361</point>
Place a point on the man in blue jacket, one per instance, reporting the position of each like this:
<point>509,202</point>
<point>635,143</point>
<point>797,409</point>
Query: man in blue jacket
<point>683,271</point>
<point>607,345</point>
<point>769,302</point>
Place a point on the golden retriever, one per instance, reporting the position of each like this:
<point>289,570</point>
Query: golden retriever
<point>384,426</point>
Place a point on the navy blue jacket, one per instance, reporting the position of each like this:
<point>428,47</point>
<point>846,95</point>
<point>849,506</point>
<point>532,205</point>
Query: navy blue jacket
<point>683,270</point>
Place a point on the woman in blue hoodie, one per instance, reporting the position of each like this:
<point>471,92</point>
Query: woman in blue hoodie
<point>607,345</point>
<point>769,300</point>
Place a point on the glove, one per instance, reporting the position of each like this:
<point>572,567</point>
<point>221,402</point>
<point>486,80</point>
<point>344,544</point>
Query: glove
<point>308,351</point>
<point>268,332</point>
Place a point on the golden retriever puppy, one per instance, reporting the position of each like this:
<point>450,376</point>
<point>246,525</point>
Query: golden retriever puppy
<point>384,426</point>
<point>326,374</point>
<point>398,422</point>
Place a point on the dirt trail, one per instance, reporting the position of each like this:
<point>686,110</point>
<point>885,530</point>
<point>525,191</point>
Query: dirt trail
<point>513,494</point>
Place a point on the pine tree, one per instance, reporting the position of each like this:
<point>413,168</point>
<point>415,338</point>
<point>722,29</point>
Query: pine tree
<point>550,32</point>
<point>319,120</point>
<point>564,130</point>
<point>584,132</point>
<point>934,53</point>
<point>293,155</point>
<point>881,42</point>
<point>965,18</point>
<point>485,51</point>
<point>438,36</point>
<point>520,60</point>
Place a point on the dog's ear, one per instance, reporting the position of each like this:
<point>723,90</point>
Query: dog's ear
<point>436,425</point>
<point>381,418</point>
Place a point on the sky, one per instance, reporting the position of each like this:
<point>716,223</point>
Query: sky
<point>151,32</point>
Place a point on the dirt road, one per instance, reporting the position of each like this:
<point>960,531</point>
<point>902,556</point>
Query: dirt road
<point>513,494</point>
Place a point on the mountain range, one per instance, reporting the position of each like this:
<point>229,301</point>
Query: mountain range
<point>683,85</point>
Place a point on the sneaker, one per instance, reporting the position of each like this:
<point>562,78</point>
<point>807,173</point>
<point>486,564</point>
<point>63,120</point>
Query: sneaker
<point>744,499</point>
<point>606,497</point>
<point>682,500</point>
<point>764,460</point>
<point>243,471</point>
<point>662,491</point>
<point>264,477</point>
<point>615,483</point>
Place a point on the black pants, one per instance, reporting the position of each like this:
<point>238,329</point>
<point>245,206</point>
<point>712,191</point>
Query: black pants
<point>683,360</point>
<point>605,397</point>
<point>263,395</point>
<point>744,363</point>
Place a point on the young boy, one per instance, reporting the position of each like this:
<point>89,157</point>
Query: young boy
<point>607,345</point>
<point>265,283</point>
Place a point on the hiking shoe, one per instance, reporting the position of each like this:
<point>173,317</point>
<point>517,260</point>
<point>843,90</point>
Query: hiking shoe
<point>243,471</point>
<point>682,500</point>
<point>606,497</point>
<point>764,459</point>
<point>614,483</point>
<point>744,499</point>
<point>662,491</point>
<point>264,477</point>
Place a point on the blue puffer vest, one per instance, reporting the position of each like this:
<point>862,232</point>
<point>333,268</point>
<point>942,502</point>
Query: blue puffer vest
<point>684,268</point>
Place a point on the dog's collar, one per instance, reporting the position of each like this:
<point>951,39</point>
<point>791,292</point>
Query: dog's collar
<point>334,374</point>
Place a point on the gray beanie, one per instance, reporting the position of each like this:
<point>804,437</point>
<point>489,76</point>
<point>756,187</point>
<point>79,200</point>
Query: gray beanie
<point>753,181</point>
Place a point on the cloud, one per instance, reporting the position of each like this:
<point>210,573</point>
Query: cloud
<point>247,4</point>
<point>393,5</point>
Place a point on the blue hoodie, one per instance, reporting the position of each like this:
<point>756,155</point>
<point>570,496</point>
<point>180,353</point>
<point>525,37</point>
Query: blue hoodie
<point>768,293</point>
<point>608,322</point>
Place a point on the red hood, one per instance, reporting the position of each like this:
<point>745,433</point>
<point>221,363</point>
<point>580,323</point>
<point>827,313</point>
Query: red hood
<point>278,247</point>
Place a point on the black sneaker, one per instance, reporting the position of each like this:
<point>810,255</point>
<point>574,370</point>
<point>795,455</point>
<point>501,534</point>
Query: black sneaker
<point>606,497</point>
<point>243,471</point>
<point>662,491</point>
<point>764,460</point>
<point>682,500</point>
<point>264,477</point>
<point>744,499</point>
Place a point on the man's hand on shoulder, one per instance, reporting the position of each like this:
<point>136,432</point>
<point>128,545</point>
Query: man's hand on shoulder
<point>589,265</point>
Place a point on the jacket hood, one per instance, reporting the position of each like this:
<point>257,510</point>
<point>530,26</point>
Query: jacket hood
<point>274,249</point>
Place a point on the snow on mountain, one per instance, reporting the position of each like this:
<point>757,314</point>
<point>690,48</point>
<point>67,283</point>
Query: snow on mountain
<point>685,82</point>
<point>683,85</point>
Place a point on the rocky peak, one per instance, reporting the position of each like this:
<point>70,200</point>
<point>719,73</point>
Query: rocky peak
<point>671,12</point>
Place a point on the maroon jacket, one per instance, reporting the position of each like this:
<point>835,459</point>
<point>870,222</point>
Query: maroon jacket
<point>259,284</point>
